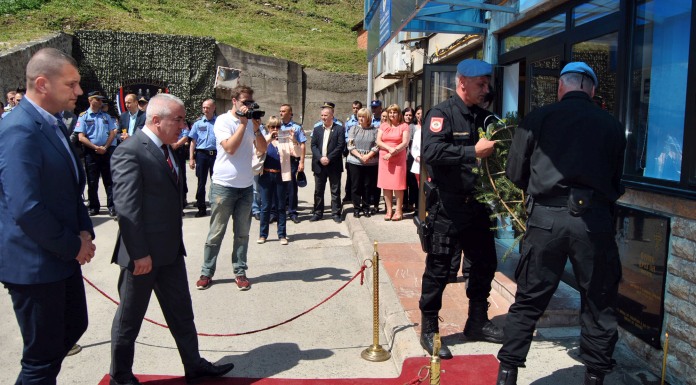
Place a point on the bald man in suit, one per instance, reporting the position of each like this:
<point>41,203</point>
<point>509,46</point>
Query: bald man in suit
<point>150,247</point>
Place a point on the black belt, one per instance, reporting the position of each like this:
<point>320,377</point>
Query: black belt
<point>556,201</point>
<point>562,201</point>
<point>295,158</point>
<point>464,197</point>
<point>209,152</point>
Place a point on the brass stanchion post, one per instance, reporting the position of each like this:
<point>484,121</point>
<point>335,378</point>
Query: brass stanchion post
<point>435,361</point>
<point>664,359</point>
<point>375,353</point>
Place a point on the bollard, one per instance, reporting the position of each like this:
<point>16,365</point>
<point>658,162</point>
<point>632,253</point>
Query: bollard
<point>435,361</point>
<point>664,359</point>
<point>375,353</point>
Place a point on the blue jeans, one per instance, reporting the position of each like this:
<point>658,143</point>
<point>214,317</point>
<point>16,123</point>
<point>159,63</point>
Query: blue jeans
<point>226,202</point>
<point>272,188</point>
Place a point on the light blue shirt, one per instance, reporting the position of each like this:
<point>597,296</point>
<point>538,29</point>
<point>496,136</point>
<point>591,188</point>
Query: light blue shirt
<point>202,133</point>
<point>96,126</point>
<point>351,122</point>
<point>299,132</point>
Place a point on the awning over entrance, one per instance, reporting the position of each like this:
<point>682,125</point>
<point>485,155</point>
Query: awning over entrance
<point>385,18</point>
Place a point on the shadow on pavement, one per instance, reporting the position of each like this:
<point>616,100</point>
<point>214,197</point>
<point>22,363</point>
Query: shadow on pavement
<point>309,275</point>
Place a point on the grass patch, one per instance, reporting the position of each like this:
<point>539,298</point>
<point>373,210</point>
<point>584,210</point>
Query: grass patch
<point>314,33</point>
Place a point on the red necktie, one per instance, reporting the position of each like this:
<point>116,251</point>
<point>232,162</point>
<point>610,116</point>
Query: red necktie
<point>169,161</point>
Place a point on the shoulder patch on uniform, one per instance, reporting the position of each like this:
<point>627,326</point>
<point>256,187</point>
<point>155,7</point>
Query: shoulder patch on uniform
<point>83,112</point>
<point>436,124</point>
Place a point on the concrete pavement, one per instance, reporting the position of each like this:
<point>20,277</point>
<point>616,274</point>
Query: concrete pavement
<point>287,280</point>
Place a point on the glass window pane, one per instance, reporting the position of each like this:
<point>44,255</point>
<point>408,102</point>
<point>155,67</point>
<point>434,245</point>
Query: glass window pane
<point>443,88</point>
<point>660,64</point>
<point>533,34</point>
<point>594,10</point>
<point>601,55</point>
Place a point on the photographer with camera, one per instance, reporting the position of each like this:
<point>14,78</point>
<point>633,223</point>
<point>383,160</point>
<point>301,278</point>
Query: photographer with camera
<point>231,192</point>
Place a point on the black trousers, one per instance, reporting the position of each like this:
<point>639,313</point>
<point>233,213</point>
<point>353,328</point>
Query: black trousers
<point>467,229</point>
<point>363,183</point>
<point>204,168</point>
<point>334,178</point>
<point>98,165</point>
<point>52,317</point>
<point>553,236</point>
<point>411,193</point>
<point>292,188</point>
<point>171,288</point>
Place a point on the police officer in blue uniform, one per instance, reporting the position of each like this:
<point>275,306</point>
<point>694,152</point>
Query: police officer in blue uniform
<point>203,152</point>
<point>96,132</point>
<point>568,156</point>
<point>450,149</point>
<point>296,163</point>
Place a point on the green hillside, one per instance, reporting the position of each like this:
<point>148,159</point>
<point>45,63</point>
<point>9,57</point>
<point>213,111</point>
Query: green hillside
<point>314,33</point>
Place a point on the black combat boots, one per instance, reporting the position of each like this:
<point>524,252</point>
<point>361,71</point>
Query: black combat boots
<point>478,327</point>
<point>429,326</point>
<point>506,375</point>
<point>593,379</point>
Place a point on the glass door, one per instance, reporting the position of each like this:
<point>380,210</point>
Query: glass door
<point>543,69</point>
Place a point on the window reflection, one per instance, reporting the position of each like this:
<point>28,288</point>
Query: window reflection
<point>601,55</point>
<point>538,32</point>
<point>443,86</point>
<point>593,10</point>
<point>658,89</point>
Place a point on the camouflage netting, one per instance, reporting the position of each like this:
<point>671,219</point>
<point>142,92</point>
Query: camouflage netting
<point>184,64</point>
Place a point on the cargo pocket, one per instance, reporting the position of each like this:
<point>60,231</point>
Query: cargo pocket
<point>525,252</point>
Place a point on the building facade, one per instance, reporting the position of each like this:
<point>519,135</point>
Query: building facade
<point>644,54</point>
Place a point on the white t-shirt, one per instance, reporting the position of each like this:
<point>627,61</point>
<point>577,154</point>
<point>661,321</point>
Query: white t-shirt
<point>233,170</point>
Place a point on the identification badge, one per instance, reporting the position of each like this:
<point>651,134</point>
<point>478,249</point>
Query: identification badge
<point>436,124</point>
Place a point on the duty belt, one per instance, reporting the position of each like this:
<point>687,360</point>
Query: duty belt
<point>209,152</point>
<point>562,201</point>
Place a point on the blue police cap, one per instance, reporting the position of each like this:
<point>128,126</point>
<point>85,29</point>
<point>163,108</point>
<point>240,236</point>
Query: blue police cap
<point>578,67</point>
<point>473,67</point>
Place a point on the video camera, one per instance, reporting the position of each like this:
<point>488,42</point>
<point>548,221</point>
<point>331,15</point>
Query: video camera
<point>253,112</point>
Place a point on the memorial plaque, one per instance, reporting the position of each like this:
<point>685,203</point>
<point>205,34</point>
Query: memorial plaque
<point>642,240</point>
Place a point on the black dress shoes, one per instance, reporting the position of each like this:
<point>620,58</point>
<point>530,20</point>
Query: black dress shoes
<point>315,218</point>
<point>295,219</point>
<point>132,381</point>
<point>112,212</point>
<point>201,213</point>
<point>336,218</point>
<point>207,370</point>
<point>93,212</point>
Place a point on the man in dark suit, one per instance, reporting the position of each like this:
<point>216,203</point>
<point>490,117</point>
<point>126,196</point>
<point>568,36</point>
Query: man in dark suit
<point>150,248</point>
<point>46,230</point>
<point>328,140</point>
<point>131,120</point>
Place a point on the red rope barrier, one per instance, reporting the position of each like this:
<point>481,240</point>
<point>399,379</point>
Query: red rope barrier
<point>360,273</point>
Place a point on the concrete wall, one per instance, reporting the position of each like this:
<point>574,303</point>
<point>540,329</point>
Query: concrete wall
<point>14,62</point>
<point>275,81</point>
<point>339,88</point>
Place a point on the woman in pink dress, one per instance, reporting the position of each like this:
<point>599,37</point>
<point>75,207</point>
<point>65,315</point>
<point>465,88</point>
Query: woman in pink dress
<point>392,139</point>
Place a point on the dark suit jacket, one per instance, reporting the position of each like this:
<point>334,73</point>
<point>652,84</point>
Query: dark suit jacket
<point>148,200</point>
<point>124,122</point>
<point>41,208</point>
<point>334,150</point>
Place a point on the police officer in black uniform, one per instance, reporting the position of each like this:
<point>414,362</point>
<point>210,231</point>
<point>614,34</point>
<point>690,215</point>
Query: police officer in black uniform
<point>568,156</point>
<point>450,148</point>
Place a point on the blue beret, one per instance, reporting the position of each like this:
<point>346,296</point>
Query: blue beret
<point>578,67</point>
<point>474,67</point>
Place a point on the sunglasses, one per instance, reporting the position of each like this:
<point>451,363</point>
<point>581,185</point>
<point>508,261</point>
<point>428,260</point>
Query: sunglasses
<point>273,126</point>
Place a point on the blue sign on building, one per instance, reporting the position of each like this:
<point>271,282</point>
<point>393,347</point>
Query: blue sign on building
<point>385,22</point>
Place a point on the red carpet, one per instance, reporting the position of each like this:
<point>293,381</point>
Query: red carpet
<point>461,370</point>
